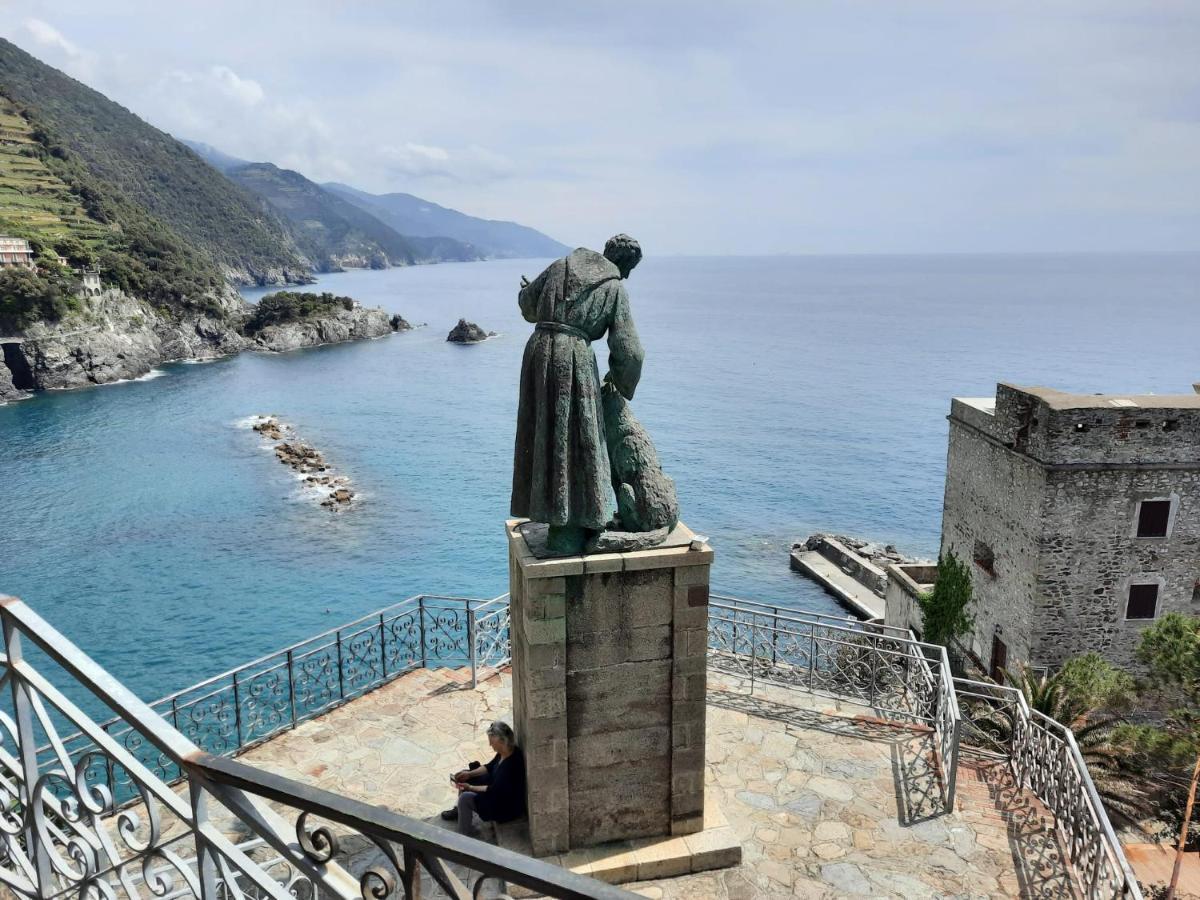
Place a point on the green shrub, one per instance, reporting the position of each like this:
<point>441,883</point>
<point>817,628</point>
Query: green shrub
<point>293,306</point>
<point>27,297</point>
<point>944,613</point>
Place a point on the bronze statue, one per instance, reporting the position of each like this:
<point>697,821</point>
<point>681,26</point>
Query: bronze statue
<point>576,437</point>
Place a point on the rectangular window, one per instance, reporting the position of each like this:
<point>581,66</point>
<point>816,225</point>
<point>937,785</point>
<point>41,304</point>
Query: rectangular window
<point>984,557</point>
<point>1143,601</point>
<point>1153,518</point>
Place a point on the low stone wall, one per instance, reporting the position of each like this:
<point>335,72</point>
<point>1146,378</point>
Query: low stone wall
<point>904,584</point>
<point>853,565</point>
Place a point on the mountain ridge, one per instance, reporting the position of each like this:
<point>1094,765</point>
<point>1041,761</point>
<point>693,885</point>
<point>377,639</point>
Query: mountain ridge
<point>412,215</point>
<point>334,233</point>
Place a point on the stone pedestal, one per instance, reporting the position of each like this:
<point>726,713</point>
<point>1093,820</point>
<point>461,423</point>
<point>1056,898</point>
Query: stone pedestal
<point>608,655</point>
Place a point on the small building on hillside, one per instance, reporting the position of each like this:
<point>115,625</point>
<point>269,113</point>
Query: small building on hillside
<point>89,284</point>
<point>1079,516</point>
<point>15,252</point>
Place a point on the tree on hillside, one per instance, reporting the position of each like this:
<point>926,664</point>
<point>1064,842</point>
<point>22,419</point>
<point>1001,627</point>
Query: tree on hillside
<point>944,615</point>
<point>1171,650</point>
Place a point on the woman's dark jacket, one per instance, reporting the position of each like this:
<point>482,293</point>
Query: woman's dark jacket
<point>504,799</point>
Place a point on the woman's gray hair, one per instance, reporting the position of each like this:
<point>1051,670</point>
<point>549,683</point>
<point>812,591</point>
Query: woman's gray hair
<point>501,730</point>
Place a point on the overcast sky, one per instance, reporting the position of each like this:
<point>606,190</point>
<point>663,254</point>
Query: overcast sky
<point>790,127</point>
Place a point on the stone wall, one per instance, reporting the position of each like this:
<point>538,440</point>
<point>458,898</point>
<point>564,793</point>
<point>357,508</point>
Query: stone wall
<point>609,666</point>
<point>995,496</point>
<point>904,584</point>
<point>853,565</point>
<point>1089,555</point>
<point>1045,487</point>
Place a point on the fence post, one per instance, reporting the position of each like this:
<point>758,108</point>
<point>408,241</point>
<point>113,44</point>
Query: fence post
<point>471,624</point>
<point>382,647</point>
<point>206,868</point>
<point>341,676</point>
<point>421,625</point>
<point>775,639</point>
<point>812,653</point>
<point>291,687</point>
<point>237,711</point>
<point>952,774</point>
<point>753,652</point>
<point>27,741</point>
<point>874,651</point>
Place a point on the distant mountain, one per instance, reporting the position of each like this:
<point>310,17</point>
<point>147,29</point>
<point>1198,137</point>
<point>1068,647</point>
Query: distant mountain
<point>128,173</point>
<point>214,157</point>
<point>334,233</point>
<point>411,215</point>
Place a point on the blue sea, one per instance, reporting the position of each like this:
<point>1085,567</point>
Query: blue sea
<point>785,395</point>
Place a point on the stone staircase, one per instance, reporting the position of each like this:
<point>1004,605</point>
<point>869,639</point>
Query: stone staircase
<point>988,794</point>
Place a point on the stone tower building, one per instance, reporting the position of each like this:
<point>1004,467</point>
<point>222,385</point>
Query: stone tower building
<point>1079,515</point>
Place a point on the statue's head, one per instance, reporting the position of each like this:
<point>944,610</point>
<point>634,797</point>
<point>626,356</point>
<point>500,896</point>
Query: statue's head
<point>623,252</point>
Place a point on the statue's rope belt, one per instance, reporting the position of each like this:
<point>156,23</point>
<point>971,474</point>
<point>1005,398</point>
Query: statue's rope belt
<point>564,329</point>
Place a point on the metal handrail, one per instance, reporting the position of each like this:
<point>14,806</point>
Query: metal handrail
<point>807,614</point>
<point>45,872</point>
<point>829,632</point>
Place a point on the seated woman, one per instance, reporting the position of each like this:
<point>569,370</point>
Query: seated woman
<point>496,791</point>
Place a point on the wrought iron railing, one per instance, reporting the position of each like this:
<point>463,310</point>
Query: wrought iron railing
<point>235,833</point>
<point>238,709</point>
<point>879,666</point>
<point>1045,758</point>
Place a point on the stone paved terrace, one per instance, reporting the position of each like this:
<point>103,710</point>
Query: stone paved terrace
<point>827,801</point>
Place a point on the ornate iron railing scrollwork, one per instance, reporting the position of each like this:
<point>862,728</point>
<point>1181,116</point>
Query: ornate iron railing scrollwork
<point>125,766</point>
<point>65,832</point>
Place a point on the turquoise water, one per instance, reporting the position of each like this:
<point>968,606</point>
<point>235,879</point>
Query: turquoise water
<point>786,395</point>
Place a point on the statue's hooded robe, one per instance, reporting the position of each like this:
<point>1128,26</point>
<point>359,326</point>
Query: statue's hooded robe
<point>560,468</point>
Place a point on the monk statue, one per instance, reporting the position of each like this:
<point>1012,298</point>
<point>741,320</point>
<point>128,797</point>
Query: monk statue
<point>583,465</point>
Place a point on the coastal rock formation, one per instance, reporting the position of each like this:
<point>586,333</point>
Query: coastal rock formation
<point>307,461</point>
<point>113,338</point>
<point>8,389</point>
<point>339,325</point>
<point>468,333</point>
<point>116,337</point>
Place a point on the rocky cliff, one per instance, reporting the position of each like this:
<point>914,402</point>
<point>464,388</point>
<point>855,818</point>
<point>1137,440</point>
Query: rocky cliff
<point>115,337</point>
<point>354,324</point>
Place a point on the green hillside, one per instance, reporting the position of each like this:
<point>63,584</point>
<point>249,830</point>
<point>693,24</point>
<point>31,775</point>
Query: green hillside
<point>333,232</point>
<point>48,197</point>
<point>34,202</point>
<point>149,169</point>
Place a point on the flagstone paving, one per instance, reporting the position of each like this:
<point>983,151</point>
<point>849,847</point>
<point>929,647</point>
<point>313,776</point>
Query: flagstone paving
<point>827,801</point>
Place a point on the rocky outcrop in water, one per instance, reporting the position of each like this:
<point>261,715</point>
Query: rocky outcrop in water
<point>333,489</point>
<point>399,323</point>
<point>8,389</point>
<point>468,333</point>
<point>340,325</point>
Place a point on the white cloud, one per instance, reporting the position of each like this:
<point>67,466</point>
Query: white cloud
<point>833,125</point>
<point>46,35</point>
<point>243,90</point>
<point>472,165</point>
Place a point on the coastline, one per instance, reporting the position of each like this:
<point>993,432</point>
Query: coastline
<point>117,338</point>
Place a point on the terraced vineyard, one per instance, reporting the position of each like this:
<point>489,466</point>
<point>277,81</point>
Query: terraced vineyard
<point>33,201</point>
